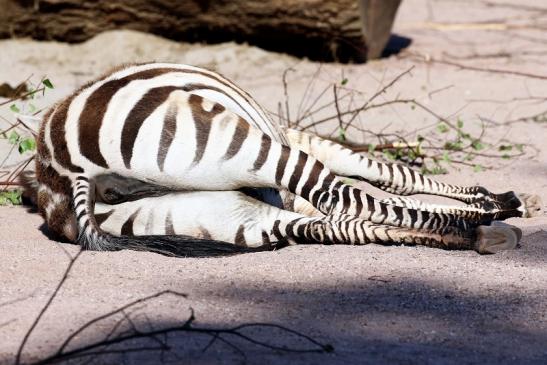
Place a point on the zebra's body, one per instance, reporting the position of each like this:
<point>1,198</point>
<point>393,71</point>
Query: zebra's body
<point>160,129</point>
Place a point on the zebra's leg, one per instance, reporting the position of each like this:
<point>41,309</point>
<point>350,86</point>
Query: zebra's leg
<point>484,239</point>
<point>229,216</point>
<point>437,208</point>
<point>402,180</point>
<point>234,217</point>
<point>211,148</point>
<point>483,207</point>
<point>116,189</point>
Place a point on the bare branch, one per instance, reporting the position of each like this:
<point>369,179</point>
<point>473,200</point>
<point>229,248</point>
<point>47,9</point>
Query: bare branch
<point>45,307</point>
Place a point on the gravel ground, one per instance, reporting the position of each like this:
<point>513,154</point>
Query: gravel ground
<point>374,304</point>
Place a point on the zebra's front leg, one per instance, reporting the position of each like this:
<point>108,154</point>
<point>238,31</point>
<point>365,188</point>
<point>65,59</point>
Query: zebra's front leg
<point>401,180</point>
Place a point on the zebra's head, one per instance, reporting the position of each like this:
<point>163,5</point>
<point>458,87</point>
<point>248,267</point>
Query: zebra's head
<point>50,193</point>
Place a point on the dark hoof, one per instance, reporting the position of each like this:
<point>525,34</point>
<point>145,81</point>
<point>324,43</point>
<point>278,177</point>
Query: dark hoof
<point>507,201</point>
<point>517,230</point>
<point>495,239</point>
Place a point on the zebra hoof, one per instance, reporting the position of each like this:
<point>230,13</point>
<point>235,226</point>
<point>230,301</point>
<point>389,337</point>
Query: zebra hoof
<point>506,201</point>
<point>517,230</point>
<point>495,239</point>
<point>532,205</point>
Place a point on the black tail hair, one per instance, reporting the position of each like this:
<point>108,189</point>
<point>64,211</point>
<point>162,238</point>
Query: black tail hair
<point>28,181</point>
<point>176,246</point>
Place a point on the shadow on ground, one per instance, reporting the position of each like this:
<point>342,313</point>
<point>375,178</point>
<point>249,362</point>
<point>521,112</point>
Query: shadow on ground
<point>378,320</point>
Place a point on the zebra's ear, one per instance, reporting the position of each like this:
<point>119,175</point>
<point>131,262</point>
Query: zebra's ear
<point>30,121</point>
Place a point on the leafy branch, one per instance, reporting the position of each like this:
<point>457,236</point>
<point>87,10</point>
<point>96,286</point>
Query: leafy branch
<point>444,142</point>
<point>21,136</point>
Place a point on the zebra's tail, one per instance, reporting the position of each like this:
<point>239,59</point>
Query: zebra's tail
<point>91,237</point>
<point>30,185</point>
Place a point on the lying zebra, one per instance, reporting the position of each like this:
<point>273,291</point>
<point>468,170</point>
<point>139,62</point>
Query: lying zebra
<point>178,160</point>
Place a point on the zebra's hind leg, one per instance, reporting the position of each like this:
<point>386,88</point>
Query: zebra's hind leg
<point>484,239</point>
<point>489,239</point>
<point>469,210</point>
<point>401,180</point>
<point>483,211</point>
<point>343,229</point>
<point>234,217</point>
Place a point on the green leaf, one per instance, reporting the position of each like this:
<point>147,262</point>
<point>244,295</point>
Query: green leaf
<point>520,147</point>
<point>341,134</point>
<point>344,81</point>
<point>453,146</point>
<point>390,155</point>
<point>412,154</point>
<point>505,156</point>
<point>10,197</point>
<point>13,137</point>
<point>371,148</point>
<point>459,123</point>
<point>412,107</point>
<point>28,144</point>
<point>446,157</point>
<point>477,145</point>
<point>47,83</point>
<point>464,135</point>
<point>505,147</point>
<point>442,127</point>
<point>478,168</point>
<point>436,170</point>
<point>14,108</point>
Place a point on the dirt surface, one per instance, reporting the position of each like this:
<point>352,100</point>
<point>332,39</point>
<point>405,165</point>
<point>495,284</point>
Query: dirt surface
<point>374,304</point>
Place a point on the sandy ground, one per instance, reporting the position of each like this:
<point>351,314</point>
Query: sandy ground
<point>374,304</point>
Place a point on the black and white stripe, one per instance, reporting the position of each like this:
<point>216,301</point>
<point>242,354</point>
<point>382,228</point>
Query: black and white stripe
<point>179,127</point>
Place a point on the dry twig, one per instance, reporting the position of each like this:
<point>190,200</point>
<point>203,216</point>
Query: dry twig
<point>114,337</point>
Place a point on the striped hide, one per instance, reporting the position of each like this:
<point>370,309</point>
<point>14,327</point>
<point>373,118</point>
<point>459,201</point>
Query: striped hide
<point>178,160</point>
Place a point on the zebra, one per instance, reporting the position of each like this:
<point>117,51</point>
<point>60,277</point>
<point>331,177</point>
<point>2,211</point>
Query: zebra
<point>178,160</point>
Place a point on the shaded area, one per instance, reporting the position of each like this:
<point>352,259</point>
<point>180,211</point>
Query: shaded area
<point>377,320</point>
<point>396,44</point>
